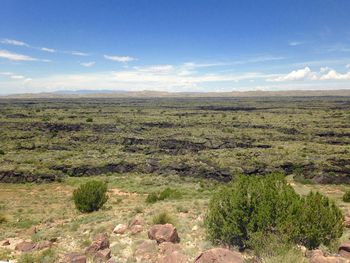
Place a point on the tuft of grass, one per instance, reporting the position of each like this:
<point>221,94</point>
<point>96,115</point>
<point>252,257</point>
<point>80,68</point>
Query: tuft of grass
<point>3,219</point>
<point>152,198</point>
<point>46,256</point>
<point>167,193</point>
<point>346,196</point>
<point>163,218</point>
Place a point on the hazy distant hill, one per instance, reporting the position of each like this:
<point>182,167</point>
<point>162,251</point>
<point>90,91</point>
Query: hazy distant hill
<point>149,94</point>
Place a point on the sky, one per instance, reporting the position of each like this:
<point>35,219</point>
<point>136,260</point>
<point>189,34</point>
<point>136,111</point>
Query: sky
<point>176,46</point>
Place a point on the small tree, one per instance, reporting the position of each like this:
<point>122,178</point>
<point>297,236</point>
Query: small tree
<point>90,196</point>
<point>321,221</point>
<point>252,207</point>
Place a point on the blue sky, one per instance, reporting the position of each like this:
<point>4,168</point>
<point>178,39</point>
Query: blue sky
<point>189,45</point>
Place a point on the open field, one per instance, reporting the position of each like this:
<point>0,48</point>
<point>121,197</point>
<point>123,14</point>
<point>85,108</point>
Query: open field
<point>44,140</point>
<point>140,146</point>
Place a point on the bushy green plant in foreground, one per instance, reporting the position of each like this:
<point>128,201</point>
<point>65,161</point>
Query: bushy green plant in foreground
<point>252,207</point>
<point>90,196</point>
<point>346,197</point>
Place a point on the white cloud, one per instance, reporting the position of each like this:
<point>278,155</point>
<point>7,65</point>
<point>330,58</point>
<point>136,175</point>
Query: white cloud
<point>78,53</point>
<point>153,77</point>
<point>50,50</point>
<point>156,68</point>
<point>6,73</point>
<point>295,43</point>
<point>331,74</point>
<point>14,42</point>
<point>324,73</point>
<point>17,77</point>
<point>348,66</point>
<point>15,56</point>
<point>300,74</point>
<point>88,64</point>
<point>12,75</point>
<point>123,59</point>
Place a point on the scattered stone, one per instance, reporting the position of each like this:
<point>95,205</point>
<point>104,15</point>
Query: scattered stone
<point>25,246</point>
<point>102,255</point>
<point>101,242</point>
<point>111,260</point>
<point>344,249</point>
<point>317,256</point>
<point>74,257</point>
<point>146,251</point>
<point>163,233</point>
<point>347,221</point>
<point>219,255</point>
<point>6,243</point>
<point>136,229</point>
<point>136,221</point>
<point>173,257</point>
<point>168,248</point>
<point>43,244</point>
<point>120,229</point>
<point>53,240</point>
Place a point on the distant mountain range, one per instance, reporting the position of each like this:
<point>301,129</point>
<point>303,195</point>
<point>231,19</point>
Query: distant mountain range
<point>83,91</point>
<point>150,94</point>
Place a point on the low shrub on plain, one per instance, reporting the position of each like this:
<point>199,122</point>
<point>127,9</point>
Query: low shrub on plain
<point>90,196</point>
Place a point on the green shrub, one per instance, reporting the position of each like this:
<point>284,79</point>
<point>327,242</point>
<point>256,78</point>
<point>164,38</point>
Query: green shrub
<point>253,207</point>
<point>90,196</point>
<point>321,221</point>
<point>89,120</point>
<point>167,193</point>
<point>163,218</point>
<point>2,152</point>
<point>346,197</point>
<point>152,198</point>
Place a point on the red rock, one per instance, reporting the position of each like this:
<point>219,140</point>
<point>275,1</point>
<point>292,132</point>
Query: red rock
<point>344,249</point>
<point>111,260</point>
<point>146,251</point>
<point>173,257</point>
<point>136,221</point>
<point>25,246</point>
<point>168,248</point>
<point>101,242</point>
<point>163,233</point>
<point>317,256</point>
<point>74,258</point>
<point>6,243</point>
<point>102,255</point>
<point>43,244</point>
<point>219,255</point>
<point>136,229</point>
<point>120,229</point>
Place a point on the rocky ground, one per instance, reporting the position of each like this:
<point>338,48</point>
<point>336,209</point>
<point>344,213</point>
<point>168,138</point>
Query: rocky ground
<point>42,225</point>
